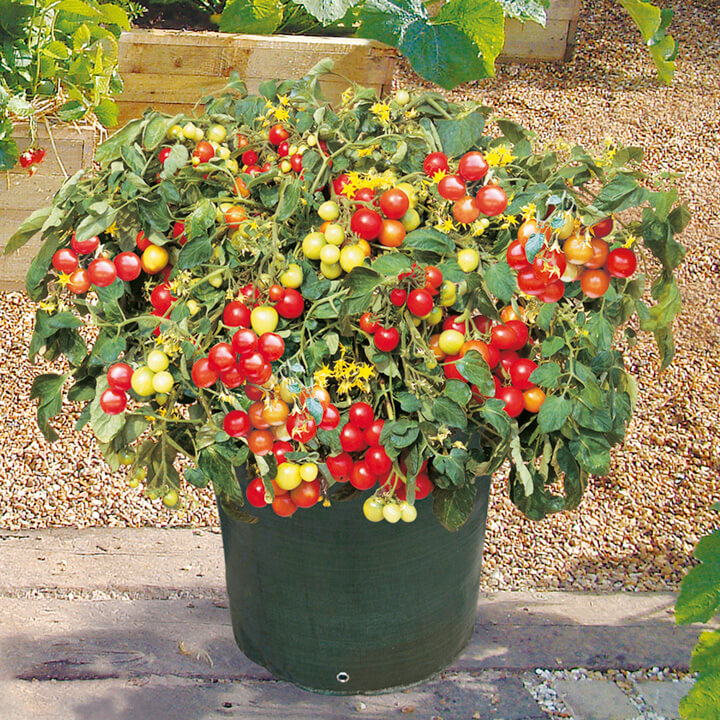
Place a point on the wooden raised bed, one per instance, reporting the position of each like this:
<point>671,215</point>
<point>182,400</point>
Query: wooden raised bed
<point>20,194</point>
<point>171,69</point>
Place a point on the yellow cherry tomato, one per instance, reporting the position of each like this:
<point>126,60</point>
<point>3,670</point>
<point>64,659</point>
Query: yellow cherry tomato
<point>292,277</point>
<point>448,294</point>
<point>312,244</point>
<point>216,279</point>
<point>162,382</point>
<point>329,210</point>
<point>351,257</point>
<point>175,132</point>
<point>141,381</point>
<point>567,228</point>
<point>334,234</point>
<point>154,259</point>
<point>193,307</point>
<point>264,319</point>
<point>331,272</point>
<point>170,499</point>
<point>373,509</point>
<point>364,245</point>
<point>308,471</point>
<point>330,254</point>
<point>189,131</point>
<point>157,361</point>
<point>402,97</point>
<point>216,133</point>
<point>410,220</point>
<point>288,476</point>
<point>435,316</point>
<point>409,190</point>
<point>450,341</point>
<point>408,513</point>
<point>391,512</point>
<point>468,259</point>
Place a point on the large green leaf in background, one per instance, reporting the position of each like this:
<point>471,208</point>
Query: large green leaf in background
<point>328,11</point>
<point>262,17</point>
<point>442,54</point>
<point>526,9</point>
<point>699,601</point>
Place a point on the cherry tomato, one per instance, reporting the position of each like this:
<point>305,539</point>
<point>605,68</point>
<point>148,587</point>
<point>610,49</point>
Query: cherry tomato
<point>361,415</point>
<point>528,282</point>
<point>278,134</point>
<point>552,292</point>
<point>352,438</point>
<point>244,342</point>
<point>252,363</point>
<point>296,162</point>
<point>362,477</point>
<point>237,424</point>
<point>65,260</point>
<point>271,346</point>
<point>491,200</point>
<point>284,506</point>
<point>113,402</point>
<point>255,493</point>
<point>392,233</point>
<point>435,162</point>
<point>203,374</point>
<point>368,323</point>
<point>340,466</point>
<point>594,283</point>
<point>102,272</point>
<point>530,228</point>
<point>515,255</point>
<point>520,372</point>
<point>260,442</point>
<point>241,188</point>
<point>420,302</point>
<point>372,433</point>
<point>398,297</point>
<point>378,461</point>
<point>119,377</point>
<point>453,322</point>
<point>236,314</point>
<point>386,339</point>
<point>306,494</point>
<point>161,298</point>
<point>275,411</point>
<point>365,195</point>
<point>600,252</point>
<point>490,357</point>
<point>622,262</point>
<point>318,393</point>
<point>513,399</point>
<point>394,203</point>
<point>280,450</point>
<point>522,332</point>
<point>142,242</point>
<point>450,368</point>
<point>367,223</point>
<point>234,216</point>
<point>203,152</point>
<point>261,375</point>
<point>221,356</point>
<point>264,319</point>
<point>253,392</point>
<point>509,313</point>
<point>504,337</point>
<point>79,282</point>
<point>290,305</point>
<point>603,228</point>
<point>249,157</point>
<point>533,399</point>
<point>433,277</point>
<point>423,486</point>
<point>578,249</point>
<point>549,265</point>
<point>472,166</point>
<point>301,427</point>
<point>84,247</point>
<point>339,183</point>
<point>154,259</point>
<point>127,266</point>
<point>466,210</point>
<point>275,292</point>
<point>507,359</point>
<point>233,377</point>
<point>330,419</point>
<point>452,187</point>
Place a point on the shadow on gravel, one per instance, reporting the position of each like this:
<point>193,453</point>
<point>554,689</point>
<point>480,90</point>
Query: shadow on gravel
<point>177,660</point>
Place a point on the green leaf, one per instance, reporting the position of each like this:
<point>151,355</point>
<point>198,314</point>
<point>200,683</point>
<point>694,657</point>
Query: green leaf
<point>430,239</point>
<point>9,154</point>
<point>483,21</point>
<point>200,220</point>
<point>95,224</point>
<point>440,53</point>
<point>459,135</point>
<point>452,466</point>
<point>111,148</point>
<point>289,199</point>
<point>77,7</point>
<point>519,462</point>
<point>327,11</point>
<point>448,412</point>
<point>592,451</point>
<point>553,413</point>
<point>546,375</point>
<point>409,403</point>
<point>107,112</point>
<point>155,131</point>
<point>621,193</point>
<point>360,283</point>
<point>551,346</point>
<point>392,263</point>
<point>194,253</point>
<point>105,426</point>
<point>30,226</point>
<point>474,369</point>
<point>458,392</point>
<point>500,281</point>
<point>706,654</point>
<point>47,389</point>
<point>36,279</point>
<point>72,111</point>
<point>453,506</point>
<point>262,17</point>
<point>658,236</point>
<point>699,597</point>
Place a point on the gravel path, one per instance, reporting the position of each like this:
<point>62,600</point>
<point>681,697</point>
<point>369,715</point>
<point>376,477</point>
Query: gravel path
<point>636,528</point>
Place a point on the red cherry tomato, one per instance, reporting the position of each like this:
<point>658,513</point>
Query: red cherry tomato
<point>290,305</point>
<point>232,377</point>
<point>603,228</point>
<point>221,356</point>
<point>453,322</point>
<point>119,377</point>
<point>252,363</point>
<point>507,359</point>
<point>202,374</point>
<point>366,223</point>
<point>515,255</point>
<point>372,433</point>
<point>504,337</point>
<point>330,419</point>
<point>549,265</point>
<point>296,162</point>
<point>365,195</point>
<point>522,332</point>
<point>392,233</point>
<point>398,297</point>
<point>255,493</point>
<point>368,323</point>
<point>420,302</point>
<point>378,461</point>
<point>491,200</point>
<point>472,166</point>
<point>423,486</point>
<point>245,341</point>
<point>386,339</point>
<point>65,260</point>
<point>394,203</point>
<point>249,158</point>
<point>435,162</point>
<point>280,450</point>
<point>204,152</point>
<point>284,506</point>
<point>621,262</point>
<point>236,423</point>
<point>528,282</point>
<point>340,466</point>
<point>79,282</point>
<point>113,402</point>
<point>362,477</point>
<point>278,134</point>
<point>520,372</point>
<point>236,314</point>
<point>102,272</point>
<point>301,427</point>
<point>339,183</point>
<point>466,210</point>
<point>127,266</point>
<point>271,346</point>
<point>361,415</point>
<point>306,494</point>
<point>142,241</point>
<point>594,283</point>
<point>351,438</point>
<point>452,187</point>
<point>513,399</point>
<point>178,233</point>
<point>161,298</point>
<point>84,247</point>
<point>433,277</point>
<point>450,368</point>
<point>552,292</point>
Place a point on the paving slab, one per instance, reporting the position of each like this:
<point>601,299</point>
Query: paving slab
<point>453,697</point>
<point>596,700</point>
<point>664,696</point>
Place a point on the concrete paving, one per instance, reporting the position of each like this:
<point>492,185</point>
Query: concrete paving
<point>133,624</point>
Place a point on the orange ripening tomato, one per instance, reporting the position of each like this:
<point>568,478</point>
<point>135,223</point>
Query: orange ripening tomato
<point>533,399</point>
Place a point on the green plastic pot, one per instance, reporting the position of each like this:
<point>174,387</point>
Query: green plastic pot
<point>336,604</point>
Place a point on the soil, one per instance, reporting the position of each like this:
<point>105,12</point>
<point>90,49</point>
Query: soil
<point>175,16</point>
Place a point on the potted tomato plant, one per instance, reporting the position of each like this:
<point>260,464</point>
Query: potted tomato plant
<point>345,322</point>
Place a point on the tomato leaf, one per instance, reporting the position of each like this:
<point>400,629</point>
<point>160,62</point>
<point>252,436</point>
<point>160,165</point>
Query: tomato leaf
<point>453,506</point>
<point>458,392</point>
<point>459,135</point>
<point>622,192</point>
<point>392,263</point>
<point>194,253</point>
<point>289,199</point>
<point>592,451</point>
<point>155,131</point>
<point>105,426</point>
<point>408,402</point>
<point>448,412</point>
<point>110,150</point>
<point>474,369</point>
<point>430,239</point>
<point>658,236</point>
<point>360,283</point>
<point>29,227</point>
<point>327,11</point>
<point>553,413</point>
<point>546,375</point>
<point>500,281</point>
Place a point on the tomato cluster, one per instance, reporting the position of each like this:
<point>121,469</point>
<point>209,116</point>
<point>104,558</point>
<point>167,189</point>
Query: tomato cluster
<point>31,158</point>
<point>294,486</point>
<point>567,254</point>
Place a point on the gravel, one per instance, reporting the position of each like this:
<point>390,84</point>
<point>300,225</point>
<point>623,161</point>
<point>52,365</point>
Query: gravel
<point>636,528</point>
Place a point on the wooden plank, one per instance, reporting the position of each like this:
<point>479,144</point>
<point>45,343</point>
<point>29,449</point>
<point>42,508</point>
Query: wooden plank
<point>74,145</point>
<point>554,42</point>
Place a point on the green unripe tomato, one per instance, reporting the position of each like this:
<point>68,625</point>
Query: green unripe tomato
<point>232,166</point>
<point>126,456</point>
<point>402,97</point>
<point>312,244</point>
<point>331,271</point>
<point>216,279</point>
<point>450,341</point>
<point>329,211</point>
<point>410,220</point>
<point>170,499</point>
<point>292,277</point>
<point>391,512</point>
<point>133,482</point>
<point>193,306</point>
<point>189,130</point>
<point>334,234</point>
<point>373,509</point>
<point>157,361</point>
<point>141,381</point>
<point>161,398</point>
<point>435,316</point>
<point>448,294</point>
<point>468,259</point>
<point>216,133</point>
<point>330,254</point>
<point>175,132</point>
<point>351,257</point>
